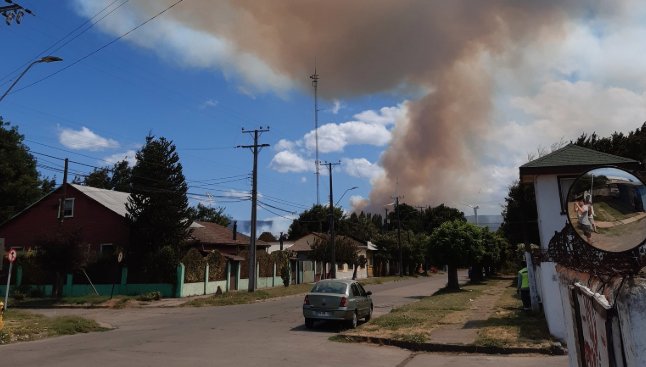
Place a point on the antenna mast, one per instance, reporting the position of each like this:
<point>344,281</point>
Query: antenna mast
<point>315,83</point>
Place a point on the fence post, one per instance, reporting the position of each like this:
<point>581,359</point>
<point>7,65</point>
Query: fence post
<point>238,275</point>
<point>18,276</point>
<point>206,277</point>
<point>273,277</point>
<point>228,276</point>
<point>180,281</point>
<point>67,289</point>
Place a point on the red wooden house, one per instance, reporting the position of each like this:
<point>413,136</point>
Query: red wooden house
<point>97,216</point>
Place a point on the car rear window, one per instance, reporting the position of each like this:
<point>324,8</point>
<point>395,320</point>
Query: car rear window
<point>329,287</point>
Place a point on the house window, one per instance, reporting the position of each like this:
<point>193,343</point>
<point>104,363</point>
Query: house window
<point>107,249</point>
<point>565,182</point>
<point>68,208</point>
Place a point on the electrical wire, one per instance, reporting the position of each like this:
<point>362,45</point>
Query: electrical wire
<point>63,38</point>
<point>100,48</point>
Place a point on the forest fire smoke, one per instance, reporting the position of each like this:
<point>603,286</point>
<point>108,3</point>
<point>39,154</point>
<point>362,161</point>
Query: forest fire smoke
<point>432,51</point>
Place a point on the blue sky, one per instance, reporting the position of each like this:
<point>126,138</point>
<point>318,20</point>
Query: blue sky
<point>407,103</point>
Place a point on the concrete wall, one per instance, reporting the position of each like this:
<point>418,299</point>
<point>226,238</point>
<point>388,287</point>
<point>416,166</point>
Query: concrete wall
<point>550,220</point>
<point>631,304</point>
<point>604,319</point>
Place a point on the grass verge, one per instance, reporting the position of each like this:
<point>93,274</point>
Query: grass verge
<point>507,327</point>
<point>510,326</point>
<point>25,326</point>
<point>415,322</point>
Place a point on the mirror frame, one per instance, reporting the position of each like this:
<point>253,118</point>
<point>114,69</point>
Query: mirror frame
<point>574,229</point>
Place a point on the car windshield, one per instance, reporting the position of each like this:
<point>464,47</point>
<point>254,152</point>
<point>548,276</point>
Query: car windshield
<point>329,287</point>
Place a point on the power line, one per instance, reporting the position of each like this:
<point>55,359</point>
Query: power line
<point>100,48</point>
<point>64,37</point>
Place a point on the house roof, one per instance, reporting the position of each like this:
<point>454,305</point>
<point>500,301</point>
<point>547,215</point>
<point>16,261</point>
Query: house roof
<point>113,200</point>
<point>575,159</point>
<point>215,234</point>
<point>304,243</point>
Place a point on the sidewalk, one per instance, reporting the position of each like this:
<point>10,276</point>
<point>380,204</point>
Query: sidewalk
<point>459,331</point>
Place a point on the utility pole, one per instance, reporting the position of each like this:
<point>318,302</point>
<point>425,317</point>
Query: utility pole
<point>254,198</point>
<point>315,83</point>
<point>61,206</point>
<point>399,238</point>
<point>332,244</point>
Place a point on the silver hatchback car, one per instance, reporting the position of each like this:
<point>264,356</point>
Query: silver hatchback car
<point>337,299</point>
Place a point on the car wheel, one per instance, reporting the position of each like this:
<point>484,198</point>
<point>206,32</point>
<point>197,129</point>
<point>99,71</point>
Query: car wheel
<point>309,323</point>
<point>369,316</point>
<point>354,321</point>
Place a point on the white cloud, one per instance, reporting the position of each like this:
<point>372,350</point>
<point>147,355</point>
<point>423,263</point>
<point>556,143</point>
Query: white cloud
<point>336,106</point>
<point>362,168</point>
<point>179,43</point>
<point>284,144</point>
<point>287,161</point>
<point>209,103</point>
<point>335,137</point>
<point>85,139</point>
<point>118,157</point>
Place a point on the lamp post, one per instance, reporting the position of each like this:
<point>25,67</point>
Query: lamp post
<point>43,59</point>
<point>345,192</point>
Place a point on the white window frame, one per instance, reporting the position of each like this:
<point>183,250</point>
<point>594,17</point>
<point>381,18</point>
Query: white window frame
<point>68,200</point>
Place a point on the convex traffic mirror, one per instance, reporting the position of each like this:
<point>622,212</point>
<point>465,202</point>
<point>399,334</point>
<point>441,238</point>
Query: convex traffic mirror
<point>605,207</point>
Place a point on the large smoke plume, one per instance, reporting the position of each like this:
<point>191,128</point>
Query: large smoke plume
<point>366,46</point>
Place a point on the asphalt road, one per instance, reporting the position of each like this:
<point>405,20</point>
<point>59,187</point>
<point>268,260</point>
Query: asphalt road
<point>269,333</point>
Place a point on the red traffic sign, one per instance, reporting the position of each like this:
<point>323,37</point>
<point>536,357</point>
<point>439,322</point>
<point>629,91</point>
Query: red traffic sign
<point>11,256</point>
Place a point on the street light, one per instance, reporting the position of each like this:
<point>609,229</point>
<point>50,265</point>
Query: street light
<point>345,192</point>
<point>43,59</point>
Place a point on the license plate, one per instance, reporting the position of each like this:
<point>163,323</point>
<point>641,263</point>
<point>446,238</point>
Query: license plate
<point>322,313</point>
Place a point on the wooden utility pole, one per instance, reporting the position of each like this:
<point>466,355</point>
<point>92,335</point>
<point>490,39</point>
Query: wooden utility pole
<point>332,244</point>
<point>254,198</point>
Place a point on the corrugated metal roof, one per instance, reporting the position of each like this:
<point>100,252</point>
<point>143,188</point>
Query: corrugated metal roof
<point>113,200</point>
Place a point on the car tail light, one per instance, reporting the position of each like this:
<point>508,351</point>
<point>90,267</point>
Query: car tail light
<point>344,302</point>
<point>307,300</point>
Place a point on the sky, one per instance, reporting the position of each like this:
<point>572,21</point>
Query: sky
<point>432,101</point>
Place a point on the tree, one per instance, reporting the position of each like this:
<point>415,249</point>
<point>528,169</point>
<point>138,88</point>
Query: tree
<point>20,184</point>
<point>316,219</point>
<point>116,178</point>
<point>520,217</point>
<point>345,250</point>
<point>455,243</point>
<point>267,237</point>
<point>158,206</point>
<point>205,213</point>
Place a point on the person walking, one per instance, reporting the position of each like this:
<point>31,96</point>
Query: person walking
<point>523,288</point>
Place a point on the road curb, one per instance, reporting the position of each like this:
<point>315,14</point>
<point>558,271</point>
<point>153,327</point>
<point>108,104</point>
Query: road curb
<point>555,349</point>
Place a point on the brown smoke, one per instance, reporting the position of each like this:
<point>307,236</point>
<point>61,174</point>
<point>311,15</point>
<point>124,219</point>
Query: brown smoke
<point>365,46</point>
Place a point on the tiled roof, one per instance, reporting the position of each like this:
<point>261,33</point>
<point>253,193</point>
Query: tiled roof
<point>215,234</point>
<point>575,157</point>
<point>304,243</point>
